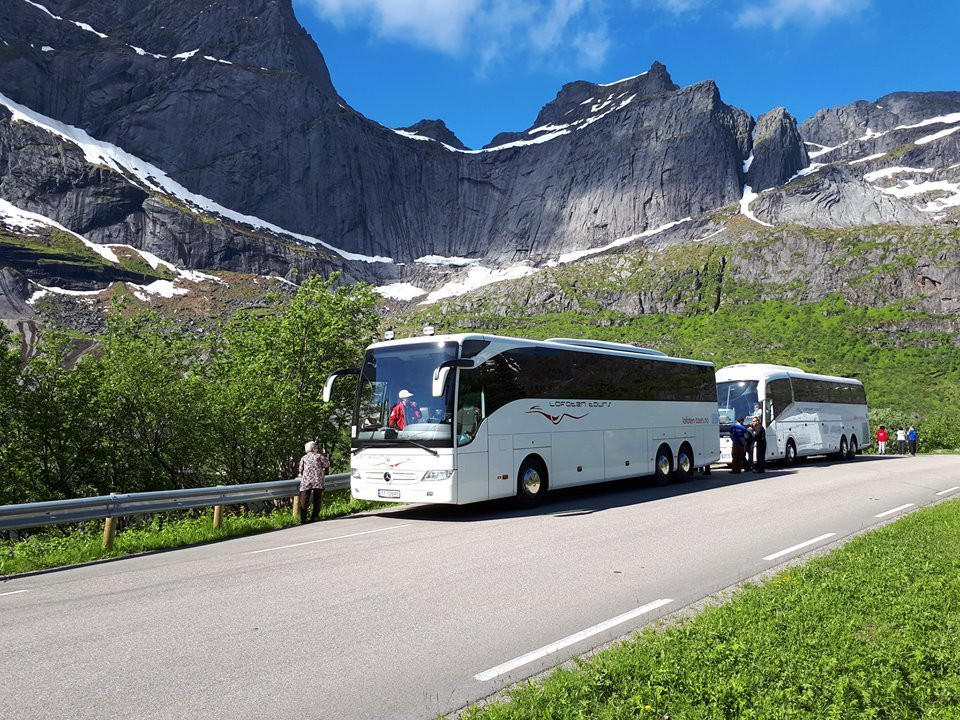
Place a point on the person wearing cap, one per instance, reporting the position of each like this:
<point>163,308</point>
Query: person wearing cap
<point>398,416</point>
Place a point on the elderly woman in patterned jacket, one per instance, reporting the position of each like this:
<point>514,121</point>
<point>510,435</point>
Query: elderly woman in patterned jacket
<point>313,468</point>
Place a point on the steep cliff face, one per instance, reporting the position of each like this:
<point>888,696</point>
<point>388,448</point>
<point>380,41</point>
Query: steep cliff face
<point>233,100</point>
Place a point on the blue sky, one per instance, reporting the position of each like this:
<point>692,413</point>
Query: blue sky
<point>487,66</point>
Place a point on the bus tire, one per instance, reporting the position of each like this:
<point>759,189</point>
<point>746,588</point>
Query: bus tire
<point>531,482</point>
<point>844,452</point>
<point>790,455</point>
<point>663,465</point>
<point>854,448</point>
<point>685,464</point>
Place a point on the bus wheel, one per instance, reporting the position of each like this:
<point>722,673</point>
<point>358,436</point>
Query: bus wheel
<point>790,456</point>
<point>531,482</point>
<point>854,448</point>
<point>844,452</point>
<point>685,464</point>
<point>663,465</point>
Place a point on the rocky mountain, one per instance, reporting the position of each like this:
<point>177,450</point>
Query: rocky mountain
<point>210,135</point>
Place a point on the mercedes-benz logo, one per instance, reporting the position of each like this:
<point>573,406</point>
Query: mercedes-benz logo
<point>386,477</point>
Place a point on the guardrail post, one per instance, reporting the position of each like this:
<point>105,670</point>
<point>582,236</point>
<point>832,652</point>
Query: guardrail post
<point>296,505</point>
<point>217,517</point>
<point>109,531</point>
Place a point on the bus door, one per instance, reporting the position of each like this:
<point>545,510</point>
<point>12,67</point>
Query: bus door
<point>473,471</point>
<point>778,398</point>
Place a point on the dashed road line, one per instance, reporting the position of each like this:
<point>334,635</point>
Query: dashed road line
<point>321,540</point>
<point>798,547</point>
<point>949,490</point>
<point>896,509</point>
<point>13,592</point>
<point>506,667</point>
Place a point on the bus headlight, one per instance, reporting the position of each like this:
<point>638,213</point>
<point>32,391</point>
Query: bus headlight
<point>436,475</point>
<point>354,474</point>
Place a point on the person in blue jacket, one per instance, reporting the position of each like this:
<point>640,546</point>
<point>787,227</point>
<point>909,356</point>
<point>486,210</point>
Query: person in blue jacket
<point>738,445</point>
<point>912,439</point>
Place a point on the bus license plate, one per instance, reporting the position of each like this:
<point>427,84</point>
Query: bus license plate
<point>388,493</point>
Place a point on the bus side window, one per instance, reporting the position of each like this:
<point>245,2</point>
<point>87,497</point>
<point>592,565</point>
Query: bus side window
<point>470,410</point>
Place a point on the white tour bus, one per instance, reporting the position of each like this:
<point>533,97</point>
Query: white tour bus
<point>804,414</point>
<point>490,417</point>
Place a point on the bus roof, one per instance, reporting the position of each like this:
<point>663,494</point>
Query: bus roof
<point>762,371</point>
<point>578,344</point>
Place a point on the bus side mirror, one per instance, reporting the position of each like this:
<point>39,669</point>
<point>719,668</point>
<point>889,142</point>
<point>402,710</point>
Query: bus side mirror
<point>328,385</point>
<point>443,371</point>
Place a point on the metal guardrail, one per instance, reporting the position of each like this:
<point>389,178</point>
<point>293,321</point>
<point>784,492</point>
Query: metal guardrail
<point>57,512</point>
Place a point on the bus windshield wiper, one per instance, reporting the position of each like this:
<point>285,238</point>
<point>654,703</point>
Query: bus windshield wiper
<point>414,442</point>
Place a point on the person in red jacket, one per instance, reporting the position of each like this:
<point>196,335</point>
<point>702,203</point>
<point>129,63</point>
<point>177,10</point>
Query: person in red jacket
<point>882,438</point>
<point>398,416</point>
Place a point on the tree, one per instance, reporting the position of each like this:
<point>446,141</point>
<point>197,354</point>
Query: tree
<point>268,375</point>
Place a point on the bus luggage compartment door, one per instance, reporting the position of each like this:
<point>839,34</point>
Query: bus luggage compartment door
<point>577,458</point>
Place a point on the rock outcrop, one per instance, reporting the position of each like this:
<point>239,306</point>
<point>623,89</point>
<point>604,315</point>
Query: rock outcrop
<point>437,130</point>
<point>833,126</point>
<point>778,150</point>
<point>834,197</point>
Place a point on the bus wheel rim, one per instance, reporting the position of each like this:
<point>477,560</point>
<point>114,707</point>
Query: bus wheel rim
<point>663,465</point>
<point>531,481</point>
<point>683,463</point>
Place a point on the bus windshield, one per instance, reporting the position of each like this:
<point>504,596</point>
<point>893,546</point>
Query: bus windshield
<point>736,399</point>
<point>395,404</point>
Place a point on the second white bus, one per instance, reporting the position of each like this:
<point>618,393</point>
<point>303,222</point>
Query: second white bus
<point>488,417</point>
<point>804,414</point>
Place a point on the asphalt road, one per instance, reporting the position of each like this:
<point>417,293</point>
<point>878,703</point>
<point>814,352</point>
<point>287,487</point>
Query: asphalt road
<point>416,611</point>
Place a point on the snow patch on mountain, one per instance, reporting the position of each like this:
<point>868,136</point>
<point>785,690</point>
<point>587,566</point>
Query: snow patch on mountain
<point>82,26</point>
<point>748,197</point>
<point>477,277</point>
<point>440,260</point>
<point>579,254</point>
<point>98,152</point>
<point>16,217</point>
<point>400,291</point>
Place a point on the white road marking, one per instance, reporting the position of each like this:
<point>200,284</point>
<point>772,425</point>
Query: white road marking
<point>797,547</point>
<point>896,509</point>
<point>949,490</point>
<point>338,537</point>
<point>569,640</point>
<point>13,592</point>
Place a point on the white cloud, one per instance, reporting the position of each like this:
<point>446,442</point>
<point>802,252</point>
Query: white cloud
<point>438,24</point>
<point>492,30</point>
<point>777,13</point>
<point>592,47</point>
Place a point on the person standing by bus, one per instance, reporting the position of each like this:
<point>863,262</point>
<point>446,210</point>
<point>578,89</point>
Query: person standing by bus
<point>901,441</point>
<point>882,438</point>
<point>912,439</point>
<point>398,416</point>
<point>738,445</point>
<point>313,468</point>
<point>759,436</point>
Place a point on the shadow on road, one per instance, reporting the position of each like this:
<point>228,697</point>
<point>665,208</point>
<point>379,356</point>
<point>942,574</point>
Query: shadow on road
<point>587,499</point>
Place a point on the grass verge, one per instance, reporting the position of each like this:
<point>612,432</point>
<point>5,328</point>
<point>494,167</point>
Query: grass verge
<point>56,547</point>
<point>871,630</point>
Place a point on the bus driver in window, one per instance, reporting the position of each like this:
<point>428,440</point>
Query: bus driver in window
<point>398,416</point>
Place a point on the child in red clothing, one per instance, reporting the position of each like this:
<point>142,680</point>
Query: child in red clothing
<point>882,438</point>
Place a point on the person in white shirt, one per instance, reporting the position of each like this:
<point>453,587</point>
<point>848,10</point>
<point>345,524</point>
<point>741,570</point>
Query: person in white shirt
<point>901,441</point>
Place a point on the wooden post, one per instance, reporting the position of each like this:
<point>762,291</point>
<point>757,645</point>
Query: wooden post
<point>217,517</point>
<point>296,505</point>
<point>109,531</point>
